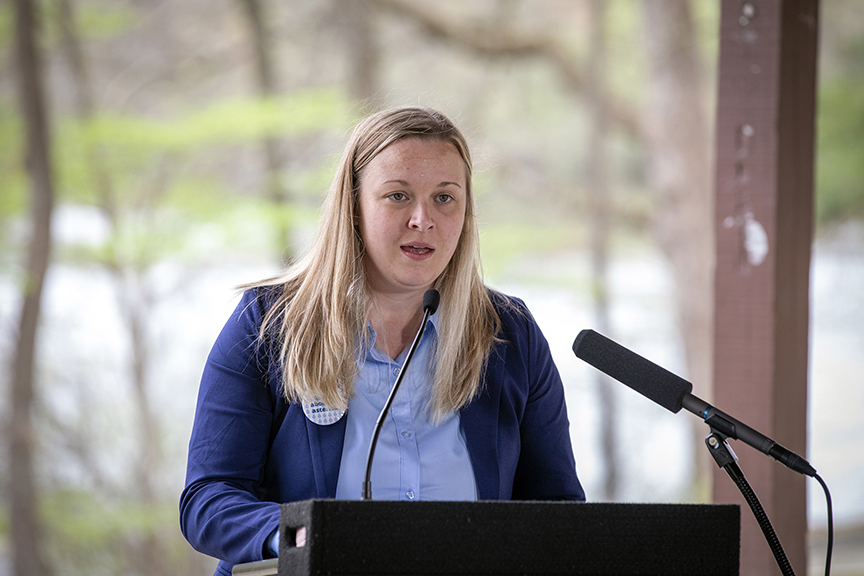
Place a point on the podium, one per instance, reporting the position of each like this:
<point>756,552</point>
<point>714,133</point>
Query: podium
<point>381,538</point>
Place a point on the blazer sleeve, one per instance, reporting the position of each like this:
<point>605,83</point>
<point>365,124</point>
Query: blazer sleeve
<point>222,513</point>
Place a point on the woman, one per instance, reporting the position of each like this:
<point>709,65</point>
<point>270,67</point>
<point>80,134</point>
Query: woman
<point>295,381</point>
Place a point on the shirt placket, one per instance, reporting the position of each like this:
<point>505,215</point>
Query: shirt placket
<point>409,455</point>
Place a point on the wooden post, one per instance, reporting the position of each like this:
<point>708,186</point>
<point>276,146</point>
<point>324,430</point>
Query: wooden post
<point>764,214</point>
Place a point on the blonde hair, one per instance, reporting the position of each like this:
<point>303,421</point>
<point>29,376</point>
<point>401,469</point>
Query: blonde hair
<point>321,309</point>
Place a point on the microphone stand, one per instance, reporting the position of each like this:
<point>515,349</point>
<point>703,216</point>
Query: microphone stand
<point>727,460</point>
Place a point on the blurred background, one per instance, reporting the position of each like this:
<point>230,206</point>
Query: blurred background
<point>192,142</point>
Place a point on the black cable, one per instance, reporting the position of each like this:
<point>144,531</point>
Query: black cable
<point>737,476</point>
<point>830,524</point>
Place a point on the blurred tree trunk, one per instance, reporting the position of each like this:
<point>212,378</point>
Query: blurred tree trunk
<point>266,86</point>
<point>362,52</point>
<point>678,132</point>
<point>27,541</point>
<point>599,216</point>
<point>133,294</point>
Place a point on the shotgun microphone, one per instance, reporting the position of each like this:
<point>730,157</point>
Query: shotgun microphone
<point>431,299</point>
<point>673,392</point>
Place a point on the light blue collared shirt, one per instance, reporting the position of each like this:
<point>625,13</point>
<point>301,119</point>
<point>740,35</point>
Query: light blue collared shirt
<point>414,459</point>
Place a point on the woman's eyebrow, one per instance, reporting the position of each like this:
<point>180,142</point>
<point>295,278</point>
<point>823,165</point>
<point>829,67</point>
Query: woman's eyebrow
<point>446,183</point>
<point>405,183</point>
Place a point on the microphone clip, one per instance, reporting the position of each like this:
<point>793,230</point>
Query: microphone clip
<point>719,448</point>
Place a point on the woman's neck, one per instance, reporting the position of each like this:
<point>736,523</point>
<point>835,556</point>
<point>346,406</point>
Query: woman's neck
<point>395,321</point>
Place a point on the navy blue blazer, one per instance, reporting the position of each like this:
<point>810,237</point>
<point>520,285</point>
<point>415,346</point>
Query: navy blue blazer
<point>250,450</point>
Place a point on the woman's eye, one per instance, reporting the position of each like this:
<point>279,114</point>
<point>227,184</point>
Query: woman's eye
<point>398,196</point>
<point>444,198</point>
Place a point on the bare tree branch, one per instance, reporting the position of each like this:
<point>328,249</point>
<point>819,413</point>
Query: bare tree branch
<point>499,42</point>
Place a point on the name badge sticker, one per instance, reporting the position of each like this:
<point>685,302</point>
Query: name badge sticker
<point>320,414</point>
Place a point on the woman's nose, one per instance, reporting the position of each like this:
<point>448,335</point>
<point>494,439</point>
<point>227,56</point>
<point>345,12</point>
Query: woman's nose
<point>421,217</point>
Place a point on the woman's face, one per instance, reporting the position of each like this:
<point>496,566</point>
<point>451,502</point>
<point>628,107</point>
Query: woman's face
<point>411,207</point>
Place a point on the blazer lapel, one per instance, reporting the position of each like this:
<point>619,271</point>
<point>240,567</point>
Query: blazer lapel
<point>325,444</point>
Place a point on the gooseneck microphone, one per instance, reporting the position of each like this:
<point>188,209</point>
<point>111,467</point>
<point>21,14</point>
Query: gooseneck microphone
<point>673,392</point>
<point>431,299</point>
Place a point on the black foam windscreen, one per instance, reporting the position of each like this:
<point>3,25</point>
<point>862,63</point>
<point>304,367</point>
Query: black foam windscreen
<point>431,298</point>
<point>631,369</point>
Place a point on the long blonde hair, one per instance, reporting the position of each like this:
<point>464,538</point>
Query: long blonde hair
<point>321,309</point>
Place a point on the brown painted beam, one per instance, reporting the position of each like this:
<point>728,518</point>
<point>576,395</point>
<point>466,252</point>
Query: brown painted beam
<point>764,214</point>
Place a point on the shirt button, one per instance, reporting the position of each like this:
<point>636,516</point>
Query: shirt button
<point>410,494</point>
<point>406,434</point>
<point>396,371</point>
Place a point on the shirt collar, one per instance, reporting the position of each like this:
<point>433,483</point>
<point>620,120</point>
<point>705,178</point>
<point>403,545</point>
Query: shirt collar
<point>431,330</point>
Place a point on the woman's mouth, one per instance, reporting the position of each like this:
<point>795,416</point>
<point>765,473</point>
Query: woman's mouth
<point>417,251</point>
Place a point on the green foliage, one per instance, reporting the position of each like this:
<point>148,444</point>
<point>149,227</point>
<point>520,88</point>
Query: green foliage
<point>706,19</point>
<point>157,182</point>
<point>157,185</point>
<point>311,183</point>
<point>503,243</point>
<point>13,182</point>
<point>4,524</point>
<point>89,534</point>
<point>224,122</point>
<point>626,65</point>
<point>93,21</point>
<point>7,26</point>
<point>130,147</point>
<point>104,20</point>
<point>840,147</point>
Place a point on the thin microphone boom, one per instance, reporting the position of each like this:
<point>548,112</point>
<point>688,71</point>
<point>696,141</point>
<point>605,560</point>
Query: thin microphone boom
<point>673,393</point>
<point>431,299</point>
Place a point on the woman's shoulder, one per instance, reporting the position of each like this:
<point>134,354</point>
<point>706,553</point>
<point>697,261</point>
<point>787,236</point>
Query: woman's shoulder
<point>255,301</point>
<point>516,320</point>
<point>265,295</point>
<point>508,306</point>
<point>259,299</point>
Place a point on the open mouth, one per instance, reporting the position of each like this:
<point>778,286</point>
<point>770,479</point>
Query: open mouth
<point>413,250</point>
